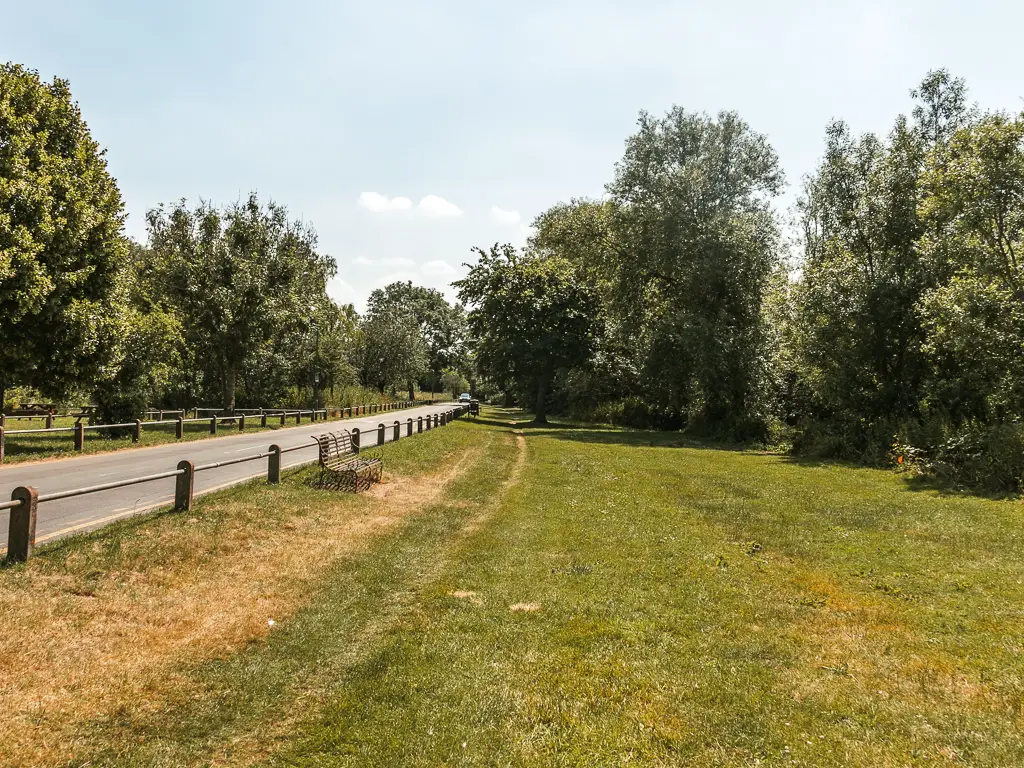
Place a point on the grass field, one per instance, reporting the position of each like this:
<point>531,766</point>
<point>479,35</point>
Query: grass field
<point>563,595</point>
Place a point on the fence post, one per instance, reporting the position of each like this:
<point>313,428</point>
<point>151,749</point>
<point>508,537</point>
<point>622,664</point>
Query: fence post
<point>408,432</point>
<point>179,428</point>
<point>380,434</point>
<point>183,486</point>
<point>263,418</point>
<point>298,417</point>
<point>49,420</point>
<point>355,439</point>
<point>282,418</point>
<point>274,465</point>
<point>437,419</point>
<point>79,436</point>
<point>419,424</point>
<point>213,425</point>
<point>21,533</point>
<point>137,431</point>
<point>2,444</point>
<point>398,429</point>
<point>241,423</point>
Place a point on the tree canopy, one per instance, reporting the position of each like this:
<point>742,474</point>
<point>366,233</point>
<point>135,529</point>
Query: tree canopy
<point>242,276</point>
<point>530,315</point>
<point>62,251</point>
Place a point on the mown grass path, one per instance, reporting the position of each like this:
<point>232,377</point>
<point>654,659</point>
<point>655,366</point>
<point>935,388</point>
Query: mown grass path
<point>584,597</point>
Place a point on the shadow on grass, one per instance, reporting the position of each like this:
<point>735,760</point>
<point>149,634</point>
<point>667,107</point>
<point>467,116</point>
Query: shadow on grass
<point>946,487</point>
<point>580,432</point>
<point>610,435</point>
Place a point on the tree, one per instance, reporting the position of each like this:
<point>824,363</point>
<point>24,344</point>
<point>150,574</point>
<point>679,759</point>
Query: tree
<point>697,244</point>
<point>974,213</point>
<point>454,382</point>
<point>239,278</point>
<point>145,355</point>
<point>442,326</point>
<point>858,331</point>
<point>61,248</point>
<point>392,349</point>
<point>859,335</point>
<point>531,316</point>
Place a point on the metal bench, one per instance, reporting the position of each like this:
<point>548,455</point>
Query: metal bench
<point>343,467</point>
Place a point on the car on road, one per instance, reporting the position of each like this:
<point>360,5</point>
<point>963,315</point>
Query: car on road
<point>465,397</point>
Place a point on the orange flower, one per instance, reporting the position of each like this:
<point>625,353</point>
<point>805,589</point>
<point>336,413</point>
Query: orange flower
<point>899,460</point>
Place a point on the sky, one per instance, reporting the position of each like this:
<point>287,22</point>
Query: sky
<point>409,132</point>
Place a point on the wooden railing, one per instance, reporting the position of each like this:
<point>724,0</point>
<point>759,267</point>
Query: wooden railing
<point>79,430</point>
<point>26,499</point>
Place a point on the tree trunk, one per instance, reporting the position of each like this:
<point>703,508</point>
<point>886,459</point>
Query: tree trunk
<point>541,407</point>
<point>230,377</point>
<point>3,393</point>
<point>412,391</point>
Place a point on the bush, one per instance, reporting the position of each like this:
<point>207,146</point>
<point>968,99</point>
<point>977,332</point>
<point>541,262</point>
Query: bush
<point>986,457</point>
<point>632,412</point>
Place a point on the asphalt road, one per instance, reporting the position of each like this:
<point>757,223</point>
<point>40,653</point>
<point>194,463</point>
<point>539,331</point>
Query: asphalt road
<point>63,517</point>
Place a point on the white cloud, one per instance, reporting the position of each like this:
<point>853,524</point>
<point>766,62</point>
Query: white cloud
<point>378,203</point>
<point>435,206</point>
<point>439,268</point>
<point>396,261</point>
<point>505,217</point>
<point>342,291</point>
<point>361,261</point>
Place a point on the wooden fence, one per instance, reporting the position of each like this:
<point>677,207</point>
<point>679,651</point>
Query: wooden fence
<point>25,500</point>
<point>241,416</point>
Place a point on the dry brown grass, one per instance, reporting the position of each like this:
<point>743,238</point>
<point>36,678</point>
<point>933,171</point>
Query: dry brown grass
<point>874,652</point>
<point>524,607</point>
<point>74,646</point>
<point>258,745</point>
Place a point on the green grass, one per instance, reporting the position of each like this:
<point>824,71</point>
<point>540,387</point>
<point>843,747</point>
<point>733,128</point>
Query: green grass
<point>630,600</point>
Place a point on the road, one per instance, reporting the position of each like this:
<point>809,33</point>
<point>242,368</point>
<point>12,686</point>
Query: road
<point>63,517</point>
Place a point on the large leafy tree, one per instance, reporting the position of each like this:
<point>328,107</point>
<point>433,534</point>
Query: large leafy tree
<point>442,325</point>
<point>974,213</point>
<point>584,232</point>
<point>61,248</point>
<point>859,334</point>
<point>239,278</point>
<point>531,316</point>
<point>147,352</point>
<point>392,352</point>
<point>698,242</point>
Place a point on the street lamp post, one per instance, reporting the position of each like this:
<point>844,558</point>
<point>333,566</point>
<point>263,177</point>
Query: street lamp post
<point>316,366</point>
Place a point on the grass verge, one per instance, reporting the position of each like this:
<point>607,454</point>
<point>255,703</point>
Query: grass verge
<point>105,624</point>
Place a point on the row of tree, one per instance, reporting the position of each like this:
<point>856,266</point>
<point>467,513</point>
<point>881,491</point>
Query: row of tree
<point>225,305</point>
<point>890,322</point>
